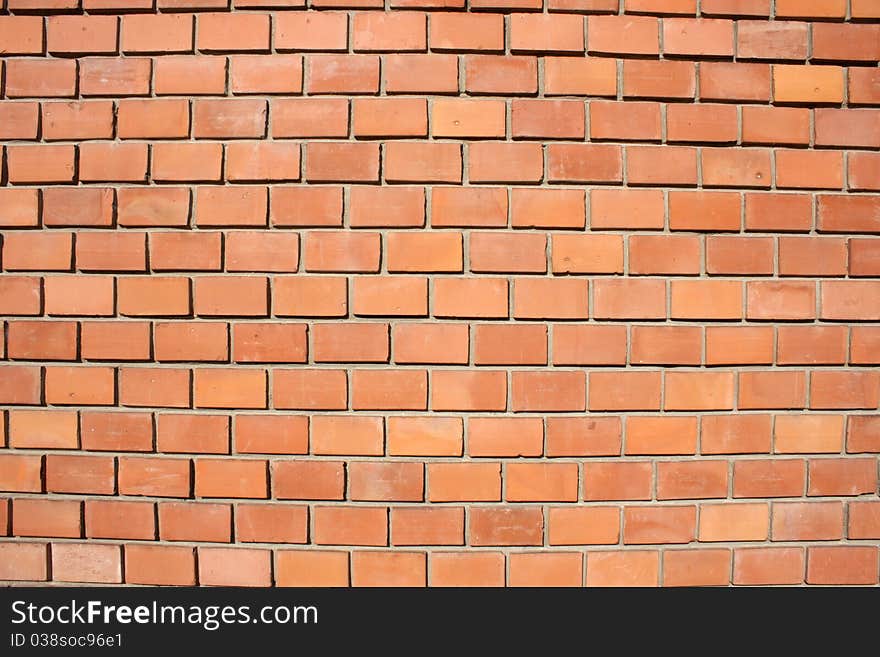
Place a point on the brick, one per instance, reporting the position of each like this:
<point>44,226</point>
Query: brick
<point>127,520</point>
<point>765,566</point>
<point>271,434</point>
<point>462,390</point>
<point>468,206</point>
<point>691,480</point>
<point>623,568</point>
<point>154,387</point>
<point>493,525</point>
<point>514,252</point>
<point>81,34</point>
<point>158,565</point>
<point>813,84</point>
<point>19,207</point>
<point>415,73</point>
<point>21,473</point>
<point>45,517</point>
<point>309,389</point>
<point>427,526</point>
<point>549,298</point>
<point>623,391</point>
<point>234,567</point>
<point>842,477</point>
<point>389,569</point>
<point>753,345</point>
<point>390,117</point>
<point>273,74</point>
<point>659,524</point>
<point>696,567</point>
<point>459,32</point>
<point>844,389</point>
<point>308,480</point>
<point>206,434</point>
<point>108,76</point>
<point>711,390</point>
<point>311,568</point>
<point>19,120</point>
<point>311,31</point>
<point>165,33</point>
<point>195,162</point>
<point>842,565</point>
<point>617,481</point>
<point>510,344</point>
<point>190,74</point>
<point>703,37</point>
<point>626,209</point>
<point>655,345</point>
<point>630,121</point>
<point>430,343</point>
<point>462,297</point>
<point>739,255</point>
<point>769,478</point>
<point>664,254</point>
<point>224,296</point>
<point>50,78</point>
<point>24,562</point>
<point>661,435</point>
<point>21,295</point>
<point>195,521</point>
<point>345,74</point>
<point>813,9</point>
<point>386,481</point>
<point>85,386</point>
<point>42,340</point>
<point>547,119</point>
<point>546,208</point>
<point>779,40</point>
<point>725,81</point>
<point>425,436</point>
<point>616,299</point>
<point>306,206</point>
<point>115,340</point>
<point>548,391</point>
<point>807,521</point>
<point>467,569</point>
<point>581,437</point>
<point>813,433</point>
<point>154,477</point>
<point>350,525</point>
<point>231,33</point>
<point>500,74</point>
<point>383,390</point>
<point>587,254</point>
<point>631,35</point>
<point>89,563</point>
<point>505,162</point>
<point>734,522</point>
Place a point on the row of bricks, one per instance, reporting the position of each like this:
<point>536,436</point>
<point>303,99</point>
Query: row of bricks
<point>407,481</point>
<point>478,118</point>
<point>534,298</point>
<point>416,343</point>
<point>818,9</point>
<point>435,252</point>
<point>444,525</point>
<point>406,207</point>
<point>216,566</point>
<point>327,435</point>
<point>751,82</point>
<point>367,118</point>
<point>409,389</point>
<point>411,31</point>
<point>486,162</point>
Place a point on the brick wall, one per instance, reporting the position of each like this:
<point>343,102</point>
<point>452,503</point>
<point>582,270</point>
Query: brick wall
<point>410,293</point>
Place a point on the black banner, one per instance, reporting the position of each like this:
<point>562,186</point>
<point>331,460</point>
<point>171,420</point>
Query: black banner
<point>135,620</point>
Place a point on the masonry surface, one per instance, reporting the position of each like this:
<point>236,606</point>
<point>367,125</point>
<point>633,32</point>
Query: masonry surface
<point>417,293</point>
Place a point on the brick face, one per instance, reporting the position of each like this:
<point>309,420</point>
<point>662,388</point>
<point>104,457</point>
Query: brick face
<point>525,293</point>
